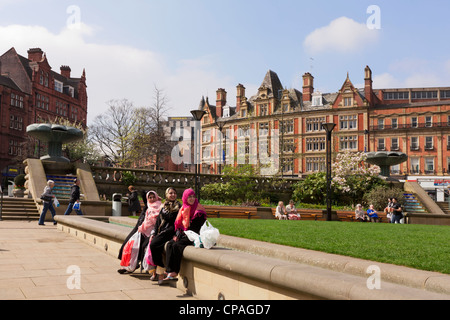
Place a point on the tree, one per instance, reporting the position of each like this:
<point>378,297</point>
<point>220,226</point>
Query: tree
<point>113,132</point>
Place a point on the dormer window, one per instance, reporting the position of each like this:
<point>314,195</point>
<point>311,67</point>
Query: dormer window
<point>58,86</point>
<point>317,100</point>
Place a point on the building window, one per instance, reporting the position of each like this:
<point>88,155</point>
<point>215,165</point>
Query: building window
<point>381,146</point>
<point>414,122</point>
<point>263,110</point>
<point>415,165</point>
<point>348,143</point>
<point>394,123</point>
<point>315,164</point>
<point>424,95</point>
<point>314,124</point>
<point>287,126</point>
<point>429,165</point>
<point>315,144</point>
<point>348,122</point>
<point>264,129</point>
<point>348,102</point>
<point>414,143</point>
<point>394,144</point>
<point>428,143</point>
<point>428,121</point>
<point>396,95</point>
<point>206,137</point>
<point>445,94</point>
<point>380,124</point>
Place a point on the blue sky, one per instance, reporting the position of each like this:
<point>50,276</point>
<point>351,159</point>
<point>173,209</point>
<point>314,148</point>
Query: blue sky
<point>191,48</point>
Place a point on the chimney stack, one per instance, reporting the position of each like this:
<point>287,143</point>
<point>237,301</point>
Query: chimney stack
<point>368,92</point>
<point>240,95</point>
<point>35,54</point>
<point>308,86</point>
<point>65,71</point>
<point>220,102</point>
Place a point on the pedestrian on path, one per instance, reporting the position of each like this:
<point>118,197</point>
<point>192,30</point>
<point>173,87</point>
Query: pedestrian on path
<point>47,198</point>
<point>74,198</point>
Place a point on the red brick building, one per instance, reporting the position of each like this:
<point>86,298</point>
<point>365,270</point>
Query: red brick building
<point>30,92</point>
<point>415,121</point>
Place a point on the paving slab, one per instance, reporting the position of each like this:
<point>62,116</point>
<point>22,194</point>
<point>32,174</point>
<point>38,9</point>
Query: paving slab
<point>40,263</point>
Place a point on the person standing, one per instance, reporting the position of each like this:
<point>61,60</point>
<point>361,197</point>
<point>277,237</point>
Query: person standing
<point>134,207</point>
<point>74,198</point>
<point>47,199</point>
<point>396,211</point>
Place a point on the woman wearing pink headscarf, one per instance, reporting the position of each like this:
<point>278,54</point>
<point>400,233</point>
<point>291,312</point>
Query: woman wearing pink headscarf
<point>152,212</point>
<point>191,216</point>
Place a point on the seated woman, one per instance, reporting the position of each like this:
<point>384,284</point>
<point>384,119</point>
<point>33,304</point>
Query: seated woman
<point>291,211</point>
<point>191,216</point>
<point>359,213</point>
<point>280,212</point>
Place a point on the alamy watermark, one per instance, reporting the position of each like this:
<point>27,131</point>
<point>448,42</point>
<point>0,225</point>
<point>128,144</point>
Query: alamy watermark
<point>74,280</point>
<point>262,150</point>
<point>74,20</point>
<point>374,20</point>
<point>374,280</point>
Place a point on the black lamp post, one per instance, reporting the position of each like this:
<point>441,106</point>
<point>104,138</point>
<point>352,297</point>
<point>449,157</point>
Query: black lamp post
<point>328,128</point>
<point>198,116</point>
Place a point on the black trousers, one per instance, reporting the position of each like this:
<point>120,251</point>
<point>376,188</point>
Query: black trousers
<point>157,247</point>
<point>174,253</point>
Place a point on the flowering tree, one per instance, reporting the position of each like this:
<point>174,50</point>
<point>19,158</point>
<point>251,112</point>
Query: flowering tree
<point>351,178</point>
<point>350,165</point>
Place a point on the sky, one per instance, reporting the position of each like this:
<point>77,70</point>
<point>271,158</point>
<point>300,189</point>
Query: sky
<point>189,49</point>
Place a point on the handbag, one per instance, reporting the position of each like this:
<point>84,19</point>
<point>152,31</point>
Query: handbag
<point>77,206</point>
<point>46,198</point>
<point>56,202</point>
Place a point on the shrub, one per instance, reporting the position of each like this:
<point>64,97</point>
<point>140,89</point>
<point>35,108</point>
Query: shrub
<point>378,197</point>
<point>19,181</point>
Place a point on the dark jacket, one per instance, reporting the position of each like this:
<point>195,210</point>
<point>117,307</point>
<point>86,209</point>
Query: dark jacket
<point>133,202</point>
<point>75,195</point>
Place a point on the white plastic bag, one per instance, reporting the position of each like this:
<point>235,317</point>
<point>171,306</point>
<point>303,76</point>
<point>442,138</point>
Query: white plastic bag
<point>209,235</point>
<point>56,202</point>
<point>130,253</point>
<point>194,237</point>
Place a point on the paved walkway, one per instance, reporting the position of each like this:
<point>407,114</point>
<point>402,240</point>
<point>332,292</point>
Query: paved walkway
<point>40,262</point>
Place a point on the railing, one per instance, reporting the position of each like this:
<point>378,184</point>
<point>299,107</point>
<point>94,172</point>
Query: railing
<point>180,179</point>
<point>411,126</point>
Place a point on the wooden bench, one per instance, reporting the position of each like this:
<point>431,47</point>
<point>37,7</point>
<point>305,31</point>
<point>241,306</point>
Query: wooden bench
<point>231,212</point>
<point>306,214</point>
<point>350,216</point>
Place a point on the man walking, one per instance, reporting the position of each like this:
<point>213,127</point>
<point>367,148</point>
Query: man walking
<point>74,198</point>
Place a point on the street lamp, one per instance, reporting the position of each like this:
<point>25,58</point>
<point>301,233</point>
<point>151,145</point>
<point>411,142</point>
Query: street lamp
<point>222,153</point>
<point>328,128</point>
<point>198,116</point>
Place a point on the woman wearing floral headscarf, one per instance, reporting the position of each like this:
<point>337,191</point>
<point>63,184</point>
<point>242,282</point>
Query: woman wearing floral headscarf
<point>164,230</point>
<point>192,216</point>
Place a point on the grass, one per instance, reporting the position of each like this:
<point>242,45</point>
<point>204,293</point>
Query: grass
<point>422,247</point>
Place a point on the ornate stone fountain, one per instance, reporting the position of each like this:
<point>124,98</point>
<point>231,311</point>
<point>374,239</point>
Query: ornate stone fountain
<point>55,135</point>
<point>386,159</point>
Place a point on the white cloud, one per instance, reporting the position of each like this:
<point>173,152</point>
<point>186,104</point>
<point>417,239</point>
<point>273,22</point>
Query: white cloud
<point>343,35</point>
<point>117,71</point>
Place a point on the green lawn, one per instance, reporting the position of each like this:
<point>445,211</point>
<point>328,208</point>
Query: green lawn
<point>418,246</point>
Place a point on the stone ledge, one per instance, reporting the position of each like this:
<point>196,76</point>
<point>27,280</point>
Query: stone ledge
<point>298,272</point>
<point>420,279</point>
